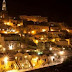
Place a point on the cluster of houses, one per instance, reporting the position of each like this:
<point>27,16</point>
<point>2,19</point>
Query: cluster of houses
<point>25,61</point>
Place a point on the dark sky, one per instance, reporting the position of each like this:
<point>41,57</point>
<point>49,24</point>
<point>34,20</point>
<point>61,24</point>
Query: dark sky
<point>55,10</point>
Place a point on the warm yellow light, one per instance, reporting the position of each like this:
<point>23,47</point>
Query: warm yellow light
<point>27,50</point>
<point>35,59</point>
<point>52,30</point>
<point>36,41</point>
<point>24,32</point>
<point>63,48</point>
<point>25,56</point>
<point>61,52</point>
<point>43,30</point>
<point>15,57</point>
<point>50,49</point>
<point>16,32</point>
<point>13,30</point>
<point>13,71</point>
<point>0,45</point>
<point>53,40</point>
<point>6,59</point>
<point>34,64</point>
<point>5,23</point>
<point>4,49</point>
<point>20,35</point>
<point>68,30</point>
<point>55,54</point>
<point>18,25</point>
<point>28,32</point>
<point>42,38</point>
<point>33,32</point>
<point>10,47</point>
<point>3,29</point>
<point>8,23</point>
<point>23,35</point>
<point>22,65</point>
<point>5,32</point>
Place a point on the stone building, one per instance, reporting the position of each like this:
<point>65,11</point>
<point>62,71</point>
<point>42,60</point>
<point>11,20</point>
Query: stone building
<point>34,18</point>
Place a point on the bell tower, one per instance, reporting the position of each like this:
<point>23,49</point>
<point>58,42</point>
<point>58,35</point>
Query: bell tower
<point>4,5</point>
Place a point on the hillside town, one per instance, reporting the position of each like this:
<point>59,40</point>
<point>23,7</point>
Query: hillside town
<point>31,42</point>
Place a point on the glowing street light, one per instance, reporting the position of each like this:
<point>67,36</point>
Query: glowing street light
<point>36,41</point>
<point>42,38</point>
<point>10,47</point>
<point>61,52</point>
<point>13,30</point>
<point>43,30</point>
<point>6,60</point>
<point>50,49</point>
<point>53,40</point>
<point>33,32</point>
<point>25,56</point>
<point>18,25</point>
<point>5,32</point>
<point>8,23</point>
<point>16,58</point>
<point>52,30</point>
<point>68,30</point>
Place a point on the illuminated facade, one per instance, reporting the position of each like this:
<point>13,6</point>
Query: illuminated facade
<point>4,5</point>
<point>3,13</point>
<point>2,42</point>
<point>37,28</point>
<point>34,18</point>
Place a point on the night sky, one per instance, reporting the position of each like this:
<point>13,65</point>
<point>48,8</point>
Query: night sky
<point>55,10</point>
